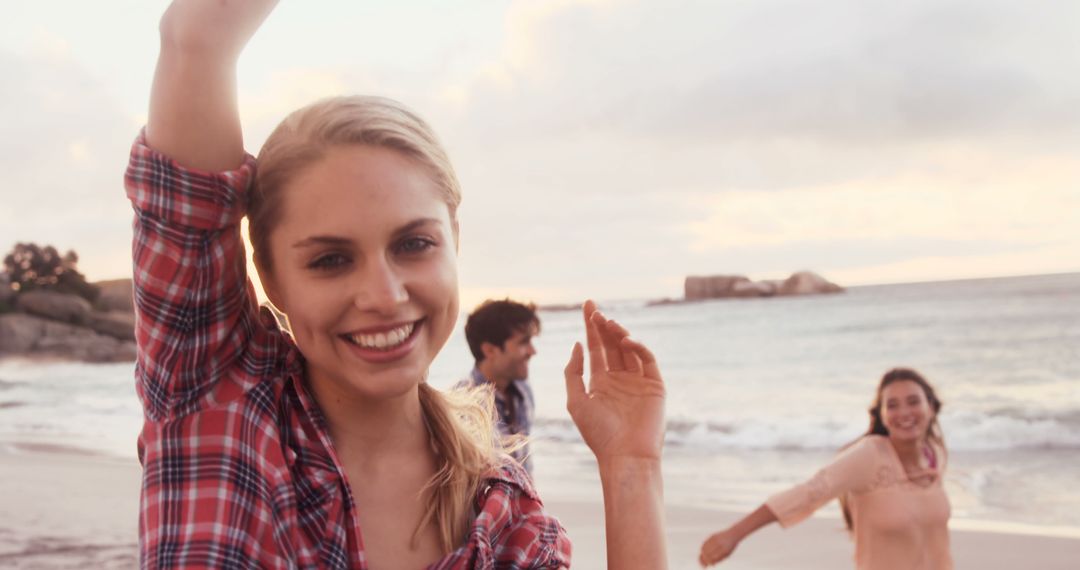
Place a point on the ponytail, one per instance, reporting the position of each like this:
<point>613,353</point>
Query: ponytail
<point>462,428</point>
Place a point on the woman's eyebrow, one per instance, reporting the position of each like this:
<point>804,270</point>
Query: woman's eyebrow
<point>344,241</point>
<point>417,223</point>
<point>322,240</point>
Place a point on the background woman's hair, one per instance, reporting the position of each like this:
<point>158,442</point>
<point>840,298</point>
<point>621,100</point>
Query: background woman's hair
<point>877,425</point>
<point>461,425</point>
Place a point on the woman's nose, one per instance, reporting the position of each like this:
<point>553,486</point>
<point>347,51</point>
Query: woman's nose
<point>380,288</point>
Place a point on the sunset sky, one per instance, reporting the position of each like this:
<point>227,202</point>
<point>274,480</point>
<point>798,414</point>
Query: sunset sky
<point>609,148</point>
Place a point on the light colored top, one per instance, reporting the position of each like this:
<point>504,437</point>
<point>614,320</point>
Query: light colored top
<point>899,524</point>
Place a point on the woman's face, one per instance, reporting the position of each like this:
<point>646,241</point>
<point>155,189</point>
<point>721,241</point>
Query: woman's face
<point>365,267</point>
<point>905,410</point>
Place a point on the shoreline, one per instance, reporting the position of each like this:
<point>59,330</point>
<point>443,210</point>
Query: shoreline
<point>67,507</point>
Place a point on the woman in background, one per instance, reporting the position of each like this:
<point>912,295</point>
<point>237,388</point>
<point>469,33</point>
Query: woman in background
<point>889,482</point>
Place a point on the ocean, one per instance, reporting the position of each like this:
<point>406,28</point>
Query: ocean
<point>761,393</point>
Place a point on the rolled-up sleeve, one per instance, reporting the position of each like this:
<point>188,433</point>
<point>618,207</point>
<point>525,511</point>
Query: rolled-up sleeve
<point>195,309</point>
<point>851,470</point>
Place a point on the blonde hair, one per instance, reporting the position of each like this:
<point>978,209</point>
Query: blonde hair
<point>461,424</point>
<point>307,133</point>
<point>463,433</point>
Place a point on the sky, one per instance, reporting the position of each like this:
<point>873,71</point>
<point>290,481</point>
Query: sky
<point>609,148</point>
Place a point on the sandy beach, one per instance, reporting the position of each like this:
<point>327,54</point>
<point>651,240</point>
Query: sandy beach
<point>64,509</point>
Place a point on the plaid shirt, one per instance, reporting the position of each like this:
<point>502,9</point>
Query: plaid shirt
<point>238,467</point>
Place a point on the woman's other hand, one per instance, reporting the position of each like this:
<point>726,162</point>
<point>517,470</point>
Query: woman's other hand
<point>718,547</point>
<point>621,415</point>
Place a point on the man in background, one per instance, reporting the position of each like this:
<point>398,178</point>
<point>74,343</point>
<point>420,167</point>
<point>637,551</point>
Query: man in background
<point>500,337</point>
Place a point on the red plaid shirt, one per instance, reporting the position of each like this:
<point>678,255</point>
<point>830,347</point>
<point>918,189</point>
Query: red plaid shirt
<point>238,467</point>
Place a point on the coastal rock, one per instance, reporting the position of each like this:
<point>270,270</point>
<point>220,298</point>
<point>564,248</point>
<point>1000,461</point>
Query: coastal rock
<point>19,333</point>
<point>31,336</point>
<point>7,294</point>
<point>116,295</point>
<point>717,286</point>
<point>697,288</point>
<point>56,306</point>
<point>559,307</point>
<point>117,324</point>
<point>808,283</point>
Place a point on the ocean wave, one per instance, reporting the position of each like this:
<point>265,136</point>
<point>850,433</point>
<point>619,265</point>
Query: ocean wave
<point>1007,428</point>
<point>9,384</point>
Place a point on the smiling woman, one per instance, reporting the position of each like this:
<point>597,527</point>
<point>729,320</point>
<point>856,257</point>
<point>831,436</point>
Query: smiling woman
<point>889,482</point>
<point>320,443</point>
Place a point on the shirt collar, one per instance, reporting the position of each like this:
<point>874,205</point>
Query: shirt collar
<point>478,379</point>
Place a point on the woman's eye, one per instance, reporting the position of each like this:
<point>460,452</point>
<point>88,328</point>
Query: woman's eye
<point>328,261</point>
<point>415,245</point>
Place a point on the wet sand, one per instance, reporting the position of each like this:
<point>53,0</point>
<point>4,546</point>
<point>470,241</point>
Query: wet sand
<point>63,509</point>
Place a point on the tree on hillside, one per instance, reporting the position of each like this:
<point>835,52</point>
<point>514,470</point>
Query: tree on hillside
<point>30,266</point>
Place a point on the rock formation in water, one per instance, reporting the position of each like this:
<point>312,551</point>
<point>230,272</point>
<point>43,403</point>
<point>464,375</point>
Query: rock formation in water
<point>48,324</point>
<point>698,288</point>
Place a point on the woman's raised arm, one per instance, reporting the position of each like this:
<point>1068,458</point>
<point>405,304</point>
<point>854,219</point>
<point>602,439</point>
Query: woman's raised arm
<point>193,110</point>
<point>196,312</point>
<point>621,418</point>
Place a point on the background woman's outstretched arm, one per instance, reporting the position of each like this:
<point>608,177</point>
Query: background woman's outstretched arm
<point>721,544</point>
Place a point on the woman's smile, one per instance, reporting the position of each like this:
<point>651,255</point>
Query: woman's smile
<point>384,344</point>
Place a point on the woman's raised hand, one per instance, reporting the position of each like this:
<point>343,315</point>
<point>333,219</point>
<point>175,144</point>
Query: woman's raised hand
<point>213,28</point>
<point>621,418</point>
<point>621,415</point>
<point>194,117</point>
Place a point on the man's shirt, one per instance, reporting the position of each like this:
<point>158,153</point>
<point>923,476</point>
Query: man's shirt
<point>515,409</point>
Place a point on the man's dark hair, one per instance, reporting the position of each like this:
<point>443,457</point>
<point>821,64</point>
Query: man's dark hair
<point>495,321</point>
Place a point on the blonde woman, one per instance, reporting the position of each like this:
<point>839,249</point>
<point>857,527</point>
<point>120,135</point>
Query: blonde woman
<point>316,443</point>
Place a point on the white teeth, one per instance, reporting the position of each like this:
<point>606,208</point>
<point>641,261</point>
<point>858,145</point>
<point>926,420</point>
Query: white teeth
<point>383,340</point>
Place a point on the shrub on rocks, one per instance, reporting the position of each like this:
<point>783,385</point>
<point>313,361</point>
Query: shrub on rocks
<point>30,266</point>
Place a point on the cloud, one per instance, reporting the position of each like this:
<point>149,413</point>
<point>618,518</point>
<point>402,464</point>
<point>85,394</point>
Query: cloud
<point>664,139</point>
<point>1015,202</point>
<point>62,154</point>
<point>609,147</point>
<point>843,73</point>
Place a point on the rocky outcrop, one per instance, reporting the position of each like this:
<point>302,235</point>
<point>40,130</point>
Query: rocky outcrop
<point>116,295</point>
<point>116,324</point>
<point>46,324</point>
<point>7,294</point>
<point>55,306</point>
<point>35,337</point>
<point>697,288</point>
<point>560,307</point>
<point>808,283</point>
